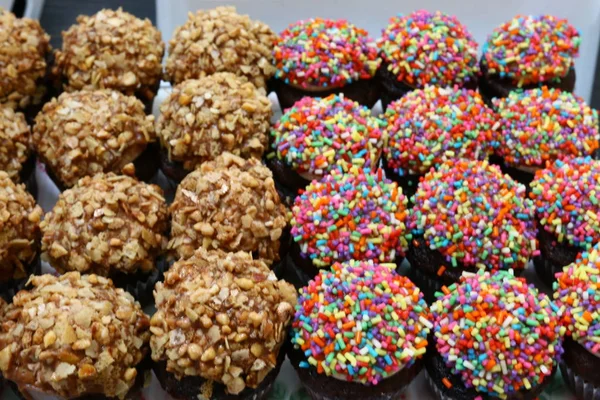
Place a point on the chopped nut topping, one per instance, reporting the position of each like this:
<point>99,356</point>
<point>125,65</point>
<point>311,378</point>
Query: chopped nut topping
<point>220,40</point>
<point>66,336</point>
<point>229,204</point>
<point>87,132</point>
<point>15,142</point>
<point>202,309</point>
<point>23,49</point>
<point>105,224</point>
<point>112,50</point>
<point>203,118</point>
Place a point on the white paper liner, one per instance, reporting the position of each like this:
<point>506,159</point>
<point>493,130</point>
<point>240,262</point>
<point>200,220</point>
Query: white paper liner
<point>582,389</point>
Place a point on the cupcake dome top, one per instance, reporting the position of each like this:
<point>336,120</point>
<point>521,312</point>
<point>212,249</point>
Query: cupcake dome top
<point>73,336</point>
<point>324,53</point>
<point>530,49</point>
<point>315,134</point>
<point>354,214</point>
<point>542,124</point>
<point>221,40</point>
<point>86,132</point>
<point>23,51</point>
<point>224,315</point>
<point>429,48</point>
<point>365,314</point>
<point>206,117</point>
<point>15,142</point>
<point>565,196</point>
<point>497,333</point>
<point>577,293</point>
<point>427,126</point>
<point>475,216</point>
<point>111,50</point>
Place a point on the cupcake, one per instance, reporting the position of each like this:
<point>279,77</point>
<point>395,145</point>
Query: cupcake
<point>431,125</point>
<point>23,51</point>
<point>577,293</point>
<point>468,216</point>
<point>111,50</point>
<point>528,52</point>
<point>356,214</point>
<point>494,337</point>
<point>316,134</point>
<point>16,156</point>
<point>565,197</point>
<point>220,324</point>
<point>109,225</point>
<point>539,125</point>
<point>319,57</point>
<point>87,132</point>
<point>360,331</point>
<point>422,49</point>
<point>229,204</point>
<point>221,40</point>
<point>203,118</point>
<point>74,337</point>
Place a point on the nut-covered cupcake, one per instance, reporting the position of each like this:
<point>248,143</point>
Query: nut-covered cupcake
<point>318,57</point>
<point>360,331</point>
<point>221,40</point>
<point>204,118</point>
<point>110,225</point>
<point>422,49</point>
<point>539,125</point>
<point>87,132</point>
<point>468,216</point>
<point>229,204</point>
<point>16,156</point>
<point>74,337</point>
<point>23,51</point>
<point>111,50</point>
<point>527,52</point>
<point>428,126</point>
<point>220,324</point>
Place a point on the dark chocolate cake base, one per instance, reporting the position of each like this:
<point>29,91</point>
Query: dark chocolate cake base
<point>140,284</point>
<point>9,288</point>
<point>580,370</point>
<point>553,256</point>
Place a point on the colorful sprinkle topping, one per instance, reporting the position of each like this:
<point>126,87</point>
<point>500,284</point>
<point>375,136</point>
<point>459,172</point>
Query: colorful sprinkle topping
<point>361,322</point>
<point>577,293</point>
<point>424,48</point>
<point>566,196</point>
<point>315,134</point>
<point>324,53</point>
<point>532,49</point>
<point>497,333</point>
<point>474,215</point>
<point>543,124</point>
<point>430,125</point>
<point>356,214</point>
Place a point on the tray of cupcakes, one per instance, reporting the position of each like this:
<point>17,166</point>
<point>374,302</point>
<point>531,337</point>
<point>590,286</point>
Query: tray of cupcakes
<point>315,214</point>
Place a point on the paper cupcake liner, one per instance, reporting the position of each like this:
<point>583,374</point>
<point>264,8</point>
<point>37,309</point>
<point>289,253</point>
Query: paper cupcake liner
<point>432,385</point>
<point>583,390</point>
<point>141,286</point>
<point>9,288</point>
<point>427,285</point>
<point>27,176</point>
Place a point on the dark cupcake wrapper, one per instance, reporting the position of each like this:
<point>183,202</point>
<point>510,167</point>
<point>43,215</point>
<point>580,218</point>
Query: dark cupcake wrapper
<point>141,285</point>
<point>10,288</point>
<point>27,175</point>
<point>582,389</point>
<point>428,285</point>
<point>580,370</point>
<point>553,256</point>
<point>408,183</point>
<point>517,174</point>
<point>288,182</point>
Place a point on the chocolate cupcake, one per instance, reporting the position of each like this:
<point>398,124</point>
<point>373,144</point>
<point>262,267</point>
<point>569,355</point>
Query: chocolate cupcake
<point>495,337</point>
<point>356,214</point>
<point>221,40</point>
<point>565,197</point>
<point>23,51</point>
<point>577,293</point>
<point>229,204</point>
<point>468,216</point>
<point>87,132</point>
<point>74,337</point>
<point>360,331</point>
<point>422,49</point>
<point>538,126</point>
<point>20,220</point>
<point>528,52</point>
<point>203,118</point>
<point>319,57</point>
<point>431,125</point>
<point>109,225</point>
<point>111,50</point>
<point>316,134</point>
<point>220,324</point>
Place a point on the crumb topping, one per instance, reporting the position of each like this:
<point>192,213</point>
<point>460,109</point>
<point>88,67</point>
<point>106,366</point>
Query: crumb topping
<point>15,142</point>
